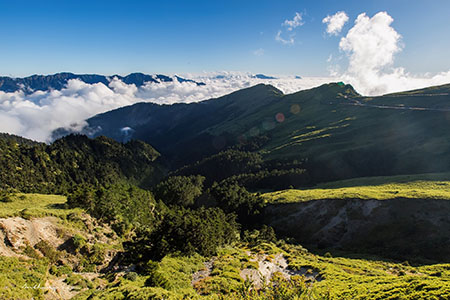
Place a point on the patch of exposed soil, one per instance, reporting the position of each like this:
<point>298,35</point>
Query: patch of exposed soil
<point>16,233</point>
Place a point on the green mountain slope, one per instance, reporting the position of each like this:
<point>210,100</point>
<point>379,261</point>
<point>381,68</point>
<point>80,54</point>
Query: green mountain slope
<point>341,133</point>
<point>198,128</point>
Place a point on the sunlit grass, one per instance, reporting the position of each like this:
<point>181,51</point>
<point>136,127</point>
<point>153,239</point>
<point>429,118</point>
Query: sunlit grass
<point>429,186</point>
<point>36,205</point>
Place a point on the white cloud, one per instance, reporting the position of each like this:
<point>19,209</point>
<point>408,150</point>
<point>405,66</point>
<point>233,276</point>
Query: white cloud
<point>371,45</point>
<point>289,41</point>
<point>35,116</point>
<point>258,52</point>
<point>336,22</point>
<point>294,23</point>
<point>290,26</point>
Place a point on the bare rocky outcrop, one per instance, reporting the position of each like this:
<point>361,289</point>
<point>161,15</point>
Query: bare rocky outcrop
<point>268,266</point>
<point>16,233</point>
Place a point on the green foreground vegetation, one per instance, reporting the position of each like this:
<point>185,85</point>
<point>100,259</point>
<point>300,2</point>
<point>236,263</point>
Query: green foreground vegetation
<point>218,273</point>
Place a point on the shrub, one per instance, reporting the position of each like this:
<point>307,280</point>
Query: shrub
<point>30,252</point>
<point>5,196</point>
<point>60,270</point>
<point>78,241</point>
<point>132,276</point>
<point>97,254</point>
<point>48,250</point>
<point>155,277</point>
<point>78,280</point>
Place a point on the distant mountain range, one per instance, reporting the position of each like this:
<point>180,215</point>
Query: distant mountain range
<point>58,81</point>
<point>262,76</point>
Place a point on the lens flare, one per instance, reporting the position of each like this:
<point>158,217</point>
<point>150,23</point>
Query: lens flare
<point>279,117</point>
<point>295,109</point>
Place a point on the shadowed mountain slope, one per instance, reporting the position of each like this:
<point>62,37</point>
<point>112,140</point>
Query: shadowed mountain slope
<point>340,132</point>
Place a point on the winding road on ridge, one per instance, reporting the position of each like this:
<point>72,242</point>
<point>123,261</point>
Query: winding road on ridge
<point>356,102</point>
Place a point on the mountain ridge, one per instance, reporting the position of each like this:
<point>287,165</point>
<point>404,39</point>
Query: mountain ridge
<point>58,81</point>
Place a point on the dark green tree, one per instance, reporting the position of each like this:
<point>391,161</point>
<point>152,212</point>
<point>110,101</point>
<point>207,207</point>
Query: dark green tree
<point>179,190</point>
<point>185,231</point>
<point>233,198</point>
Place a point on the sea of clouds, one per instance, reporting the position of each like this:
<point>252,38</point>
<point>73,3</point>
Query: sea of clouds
<point>369,46</point>
<point>36,115</point>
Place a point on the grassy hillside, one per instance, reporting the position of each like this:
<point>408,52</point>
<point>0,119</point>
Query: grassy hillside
<point>346,140</point>
<point>310,277</point>
<point>396,216</point>
<point>424,186</point>
<point>35,205</point>
<point>67,266</point>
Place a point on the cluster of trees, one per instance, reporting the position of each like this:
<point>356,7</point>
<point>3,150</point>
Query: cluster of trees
<point>124,206</point>
<point>178,216</point>
<point>249,170</point>
<point>189,192</point>
<point>186,231</point>
<point>73,160</point>
<point>233,198</point>
<point>223,165</point>
<point>180,190</point>
<point>274,179</point>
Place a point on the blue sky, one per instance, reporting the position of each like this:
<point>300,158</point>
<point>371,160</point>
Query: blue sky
<point>169,37</point>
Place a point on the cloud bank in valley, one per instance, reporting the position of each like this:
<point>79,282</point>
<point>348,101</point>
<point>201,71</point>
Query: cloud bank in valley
<point>371,45</point>
<point>36,115</point>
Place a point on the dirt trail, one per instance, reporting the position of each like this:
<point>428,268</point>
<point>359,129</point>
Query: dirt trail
<point>358,103</point>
